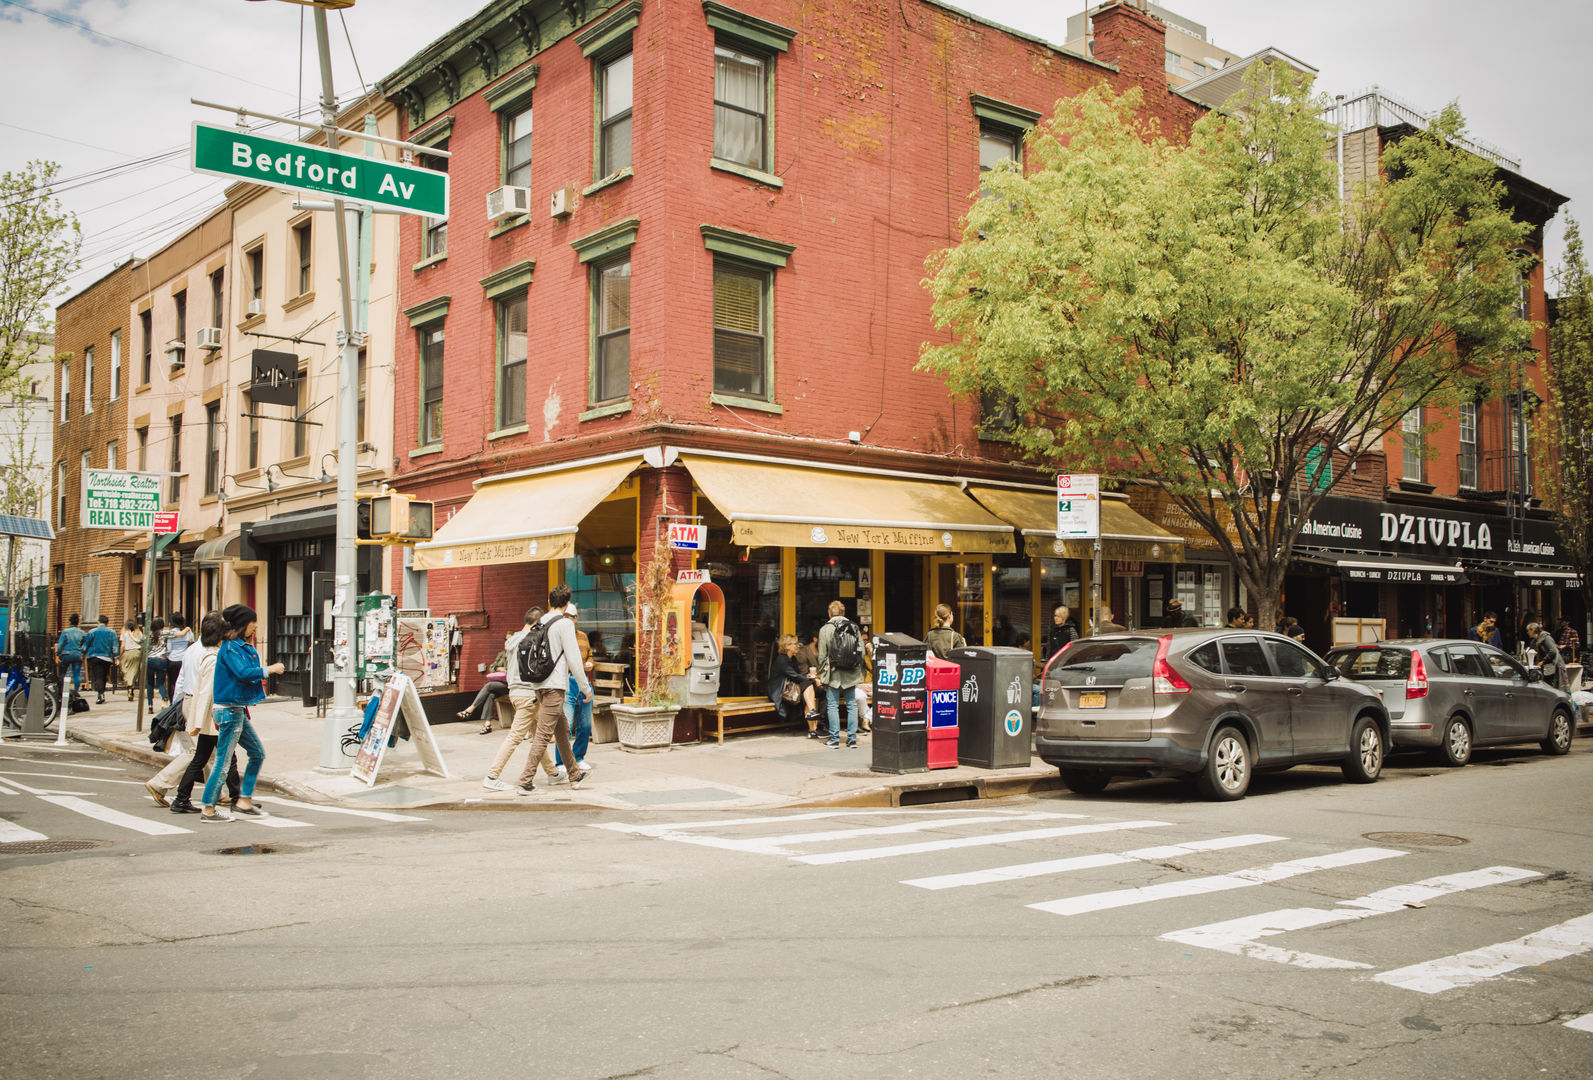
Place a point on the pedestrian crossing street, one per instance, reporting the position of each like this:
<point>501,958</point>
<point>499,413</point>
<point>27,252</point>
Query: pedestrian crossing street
<point>1089,843</point>
<point>110,797</point>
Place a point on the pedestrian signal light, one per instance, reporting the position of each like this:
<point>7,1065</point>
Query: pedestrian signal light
<point>400,517</point>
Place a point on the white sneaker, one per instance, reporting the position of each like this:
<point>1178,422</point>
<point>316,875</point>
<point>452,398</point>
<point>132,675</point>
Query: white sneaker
<point>492,783</point>
<point>560,777</point>
<point>583,765</point>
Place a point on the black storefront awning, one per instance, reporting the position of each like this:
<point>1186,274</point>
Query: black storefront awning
<point>321,521</point>
<point>1549,579</point>
<point>1391,569</point>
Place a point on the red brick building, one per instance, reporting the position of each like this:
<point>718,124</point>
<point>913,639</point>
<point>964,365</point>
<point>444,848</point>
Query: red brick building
<point>713,308</point>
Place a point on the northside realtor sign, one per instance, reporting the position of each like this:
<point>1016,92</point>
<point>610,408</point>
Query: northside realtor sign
<point>128,501</point>
<point>242,155</point>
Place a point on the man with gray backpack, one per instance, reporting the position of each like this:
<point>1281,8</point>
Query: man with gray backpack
<point>840,671</point>
<point>548,658</point>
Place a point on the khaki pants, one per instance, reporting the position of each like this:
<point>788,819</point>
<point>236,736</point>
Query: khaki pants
<point>551,727</point>
<point>525,715</point>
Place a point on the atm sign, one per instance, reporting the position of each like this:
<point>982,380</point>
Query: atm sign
<point>688,537</point>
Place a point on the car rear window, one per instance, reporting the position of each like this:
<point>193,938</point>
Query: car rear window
<point>1371,663</point>
<point>1105,663</point>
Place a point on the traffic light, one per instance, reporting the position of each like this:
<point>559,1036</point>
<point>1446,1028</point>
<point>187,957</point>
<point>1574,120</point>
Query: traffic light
<point>362,517</point>
<point>399,518</point>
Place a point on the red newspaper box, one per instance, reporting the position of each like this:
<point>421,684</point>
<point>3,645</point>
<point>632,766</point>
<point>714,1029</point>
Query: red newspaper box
<point>944,680</point>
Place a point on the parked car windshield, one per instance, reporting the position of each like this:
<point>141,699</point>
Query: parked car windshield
<point>1105,663</point>
<point>1371,662</point>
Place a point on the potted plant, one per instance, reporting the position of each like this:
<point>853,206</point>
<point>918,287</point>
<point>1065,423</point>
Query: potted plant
<point>646,720</point>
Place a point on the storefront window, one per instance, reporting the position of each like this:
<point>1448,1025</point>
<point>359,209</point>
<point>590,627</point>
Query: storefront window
<point>600,596</point>
<point>1009,581</point>
<point>750,580</point>
<point>822,576</point>
<point>1059,584</point>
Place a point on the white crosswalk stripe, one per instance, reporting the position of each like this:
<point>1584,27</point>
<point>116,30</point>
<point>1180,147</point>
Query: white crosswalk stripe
<point>1581,1023</point>
<point>374,815</point>
<point>1242,936</point>
<point>1467,968</point>
<point>114,817</point>
<point>1240,879</point>
<point>11,833</point>
<point>953,843</point>
<point>1089,862</point>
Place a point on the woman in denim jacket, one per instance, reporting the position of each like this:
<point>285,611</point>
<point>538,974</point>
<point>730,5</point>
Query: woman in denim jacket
<point>239,683</point>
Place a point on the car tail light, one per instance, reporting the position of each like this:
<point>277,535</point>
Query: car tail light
<point>1045,672</point>
<point>1164,680</point>
<point>1416,684</point>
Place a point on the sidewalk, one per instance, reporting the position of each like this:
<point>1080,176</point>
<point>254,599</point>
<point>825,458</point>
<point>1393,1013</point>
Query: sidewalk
<point>758,771</point>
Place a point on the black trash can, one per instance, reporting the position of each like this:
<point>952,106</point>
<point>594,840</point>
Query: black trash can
<point>994,721</point>
<point>901,705</point>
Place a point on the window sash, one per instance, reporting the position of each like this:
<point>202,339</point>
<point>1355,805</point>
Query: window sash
<point>612,363</point>
<point>88,379</point>
<point>217,305</point>
<point>257,274</point>
<point>301,236</point>
<point>116,364</point>
<point>512,349</point>
<point>180,303</point>
<point>740,331</point>
<point>615,114</point>
<point>431,376</point>
<point>212,448</point>
<point>146,327</point>
<point>1413,465</point>
<point>741,89</point>
<point>176,458</point>
<point>517,149</point>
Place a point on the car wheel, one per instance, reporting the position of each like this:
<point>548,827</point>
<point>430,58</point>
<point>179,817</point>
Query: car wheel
<point>1227,772</point>
<point>1085,781</point>
<point>1365,762</point>
<point>1455,750</point>
<point>1560,732</point>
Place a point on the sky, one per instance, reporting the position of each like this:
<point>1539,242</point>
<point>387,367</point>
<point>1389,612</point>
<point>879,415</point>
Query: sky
<point>103,86</point>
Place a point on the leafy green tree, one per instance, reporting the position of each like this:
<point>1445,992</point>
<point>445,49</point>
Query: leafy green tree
<point>1210,315</point>
<point>1571,393</point>
<point>39,247</point>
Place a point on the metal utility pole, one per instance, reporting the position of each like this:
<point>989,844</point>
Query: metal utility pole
<point>343,714</point>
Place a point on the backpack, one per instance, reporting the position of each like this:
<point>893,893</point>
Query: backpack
<point>534,654</point>
<point>846,647</point>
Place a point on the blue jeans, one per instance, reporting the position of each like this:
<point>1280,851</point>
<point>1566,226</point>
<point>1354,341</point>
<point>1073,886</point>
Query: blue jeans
<point>579,714</point>
<point>72,666</point>
<point>833,696</point>
<point>155,678</point>
<point>233,730</point>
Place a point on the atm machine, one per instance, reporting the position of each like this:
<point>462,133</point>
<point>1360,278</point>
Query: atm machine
<point>695,625</point>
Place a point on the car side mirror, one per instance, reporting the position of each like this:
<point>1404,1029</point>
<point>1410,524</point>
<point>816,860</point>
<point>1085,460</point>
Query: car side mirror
<point>1332,675</point>
<point>1534,675</point>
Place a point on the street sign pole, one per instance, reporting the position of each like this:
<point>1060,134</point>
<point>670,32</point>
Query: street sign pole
<point>343,713</point>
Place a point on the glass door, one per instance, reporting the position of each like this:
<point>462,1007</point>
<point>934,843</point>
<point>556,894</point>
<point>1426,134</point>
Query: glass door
<point>961,582</point>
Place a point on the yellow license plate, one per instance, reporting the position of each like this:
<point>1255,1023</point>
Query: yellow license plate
<point>1092,699</point>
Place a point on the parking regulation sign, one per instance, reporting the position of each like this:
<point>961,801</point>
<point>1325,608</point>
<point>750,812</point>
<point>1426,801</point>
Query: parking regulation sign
<point>114,499</point>
<point>1078,506</point>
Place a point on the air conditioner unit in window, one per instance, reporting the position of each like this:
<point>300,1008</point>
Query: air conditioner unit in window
<point>507,202</point>
<point>209,337</point>
<point>175,355</point>
<point>255,307</point>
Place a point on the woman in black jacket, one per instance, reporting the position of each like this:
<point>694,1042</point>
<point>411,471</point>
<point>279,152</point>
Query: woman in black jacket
<point>784,670</point>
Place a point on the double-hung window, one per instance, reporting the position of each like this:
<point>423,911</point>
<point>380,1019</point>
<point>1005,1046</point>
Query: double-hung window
<point>304,248</point>
<point>614,111</point>
<point>212,447</point>
<point>511,361</point>
<point>1468,445</point>
<point>517,147</point>
<point>744,275</point>
<point>66,389</point>
<point>431,384</point>
<point>217,303</point>
<point>88,379</point>
<point>434,231</point>
<point>301,408</point>
<point>147,332</point>
<point>741,107</point>
<point>611,298</point>
<point>1413,464</point>
<point>116,364</point>
<point>174,488</point>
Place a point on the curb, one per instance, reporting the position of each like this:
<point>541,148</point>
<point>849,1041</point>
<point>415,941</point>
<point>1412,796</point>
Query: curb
<point>160,761</point>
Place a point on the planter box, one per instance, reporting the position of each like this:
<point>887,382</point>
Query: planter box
<point>644,730</point>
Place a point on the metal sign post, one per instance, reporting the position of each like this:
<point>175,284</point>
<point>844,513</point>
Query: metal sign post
<point>158,543</point>
<point>1078,517</point>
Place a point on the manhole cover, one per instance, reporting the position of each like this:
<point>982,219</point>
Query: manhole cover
<point>255,849</point>
<point>49,847</point>
<point>1415,839</point>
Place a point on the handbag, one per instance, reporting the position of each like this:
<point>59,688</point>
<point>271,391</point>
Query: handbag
<point>791,692</point>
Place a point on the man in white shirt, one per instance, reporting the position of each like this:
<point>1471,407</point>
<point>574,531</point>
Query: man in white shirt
<point>551,723</point>
<point>524,700</point>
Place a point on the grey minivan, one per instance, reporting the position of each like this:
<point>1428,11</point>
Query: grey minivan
<point>1214,705</point>
<point>1451,696</point>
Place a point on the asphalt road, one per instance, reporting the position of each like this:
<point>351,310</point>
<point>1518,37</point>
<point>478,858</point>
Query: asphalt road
<point>1131,934</point>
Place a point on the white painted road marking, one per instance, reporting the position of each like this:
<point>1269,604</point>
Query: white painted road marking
<point>1241,936</point>
<point>1088,862</point>
<point>782,845</point>
<point>274,822</point>
<point>667,831</point>
<point>864,854</point>
<point>1581,1023</point>
<point>375,815</point>
<point>67,764</point>
<point>75,779</point>
<point>1241,879</point>
<point>1467,968</point>
<point>113,817</point>
<point>12,833</point>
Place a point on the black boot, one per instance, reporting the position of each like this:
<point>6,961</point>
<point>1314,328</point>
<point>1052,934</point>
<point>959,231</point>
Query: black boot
<point>184,806</point>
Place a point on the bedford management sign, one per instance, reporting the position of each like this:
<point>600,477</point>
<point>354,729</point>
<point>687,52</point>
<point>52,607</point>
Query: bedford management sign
<point>241,155</point>
<point>127,501</point>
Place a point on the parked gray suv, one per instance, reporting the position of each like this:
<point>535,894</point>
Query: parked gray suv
<point>1451,696</point>
<point>1211,704</point>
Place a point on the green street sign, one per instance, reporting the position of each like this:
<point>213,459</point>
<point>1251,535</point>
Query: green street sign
<point>120,500</point>
<point>239,155</point>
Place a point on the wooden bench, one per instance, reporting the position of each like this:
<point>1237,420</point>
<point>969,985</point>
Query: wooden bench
<point>755,707</point>
<point>608,688</point>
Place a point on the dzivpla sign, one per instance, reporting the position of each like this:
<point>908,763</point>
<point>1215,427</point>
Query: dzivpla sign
<point>1382,528</point>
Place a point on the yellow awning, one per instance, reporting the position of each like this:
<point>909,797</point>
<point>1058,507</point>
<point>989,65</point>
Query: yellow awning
<point>521,517</point>
<point>801,506</point>
<point>1124,534</point>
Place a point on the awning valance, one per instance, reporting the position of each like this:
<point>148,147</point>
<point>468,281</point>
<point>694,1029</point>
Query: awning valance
<point>222,549</point>
<point>133,543</point>
<point>1394,570</point>
<point>522,517</point>
<point>773,505</point>
<point>1125,535</point>
<point>1549,579</point>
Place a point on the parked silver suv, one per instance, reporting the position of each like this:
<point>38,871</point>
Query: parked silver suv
<point>1214,705</point>
<point>1454,695</point>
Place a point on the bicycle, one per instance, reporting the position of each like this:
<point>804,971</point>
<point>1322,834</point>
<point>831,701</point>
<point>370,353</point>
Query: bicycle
<point>17,674</point>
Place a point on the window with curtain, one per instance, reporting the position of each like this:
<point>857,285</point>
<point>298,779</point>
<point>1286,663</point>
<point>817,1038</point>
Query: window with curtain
<point>614,107</point>
<point>612,369</point>
<point>517,148</point>
<point>741,94</point>
<point>511,361</point>
<point>740,330</point>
